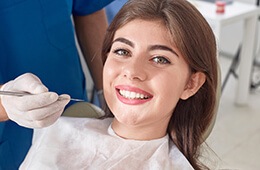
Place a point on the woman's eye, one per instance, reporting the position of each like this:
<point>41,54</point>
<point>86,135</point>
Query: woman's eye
<point>121,52</point>
<point>161,60</point>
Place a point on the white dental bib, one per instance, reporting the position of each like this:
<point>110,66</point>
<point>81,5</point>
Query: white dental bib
<point>85,143</point>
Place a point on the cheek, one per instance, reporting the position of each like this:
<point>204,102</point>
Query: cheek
<point>169,98</point>
<point>107,65</point>
<point>172,84</point>
<point>110,74</point>
<point>170,91</point>
<point>174,88</point>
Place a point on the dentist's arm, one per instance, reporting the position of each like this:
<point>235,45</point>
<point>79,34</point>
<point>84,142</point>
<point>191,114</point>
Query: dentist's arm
<point>90,30</point>
<point>41,109</point>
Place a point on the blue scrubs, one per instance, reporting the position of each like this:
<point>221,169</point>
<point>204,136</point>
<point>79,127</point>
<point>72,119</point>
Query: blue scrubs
<point>113,8</point>
<point>37,36</point>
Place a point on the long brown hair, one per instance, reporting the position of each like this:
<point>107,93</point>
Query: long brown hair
<point>195,40</point>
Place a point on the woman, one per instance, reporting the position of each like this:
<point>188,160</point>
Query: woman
<point>193,40</point>
<point>160,80</point>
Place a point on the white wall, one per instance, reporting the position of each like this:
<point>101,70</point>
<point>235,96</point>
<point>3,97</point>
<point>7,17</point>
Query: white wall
<point>232,35</point>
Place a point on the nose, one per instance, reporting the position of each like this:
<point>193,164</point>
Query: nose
<point>135,70</point>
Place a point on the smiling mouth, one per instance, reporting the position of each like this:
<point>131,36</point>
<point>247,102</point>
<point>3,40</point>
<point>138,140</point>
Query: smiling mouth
<point>133,95</point>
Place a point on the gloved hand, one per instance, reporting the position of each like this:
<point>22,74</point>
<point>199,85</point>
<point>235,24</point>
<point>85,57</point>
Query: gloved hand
<point>41,109</point>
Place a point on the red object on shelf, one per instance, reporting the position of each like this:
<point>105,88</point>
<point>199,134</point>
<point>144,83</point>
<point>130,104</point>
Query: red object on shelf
<point>220,7</point>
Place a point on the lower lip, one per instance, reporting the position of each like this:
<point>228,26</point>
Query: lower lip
<point>131,101</point>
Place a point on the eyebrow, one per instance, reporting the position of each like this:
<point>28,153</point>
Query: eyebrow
<point>151,48</point>
<point>124,40</point>
<point>163,47</point>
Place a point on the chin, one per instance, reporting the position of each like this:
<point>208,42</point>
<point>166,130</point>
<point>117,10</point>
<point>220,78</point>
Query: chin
<point>126,119</point>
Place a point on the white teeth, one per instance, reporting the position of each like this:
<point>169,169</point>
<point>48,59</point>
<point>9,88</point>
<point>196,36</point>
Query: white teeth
<point>132,95</point>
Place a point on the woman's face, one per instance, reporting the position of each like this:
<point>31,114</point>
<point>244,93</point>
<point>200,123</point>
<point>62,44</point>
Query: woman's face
<point>144,75</point>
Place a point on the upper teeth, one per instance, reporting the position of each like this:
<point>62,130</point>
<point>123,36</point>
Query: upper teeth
<point>132,95</point>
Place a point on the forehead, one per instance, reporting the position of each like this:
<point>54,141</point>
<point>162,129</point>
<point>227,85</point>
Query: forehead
<point>145,30</point>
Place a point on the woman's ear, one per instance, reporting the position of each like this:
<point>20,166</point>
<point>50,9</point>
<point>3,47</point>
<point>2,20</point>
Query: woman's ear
<point>193,85</point>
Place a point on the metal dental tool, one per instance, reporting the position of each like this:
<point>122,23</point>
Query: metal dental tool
<point>12,93</point>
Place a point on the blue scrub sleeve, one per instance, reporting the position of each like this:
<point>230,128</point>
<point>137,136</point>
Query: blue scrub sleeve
<point>85,7</point>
